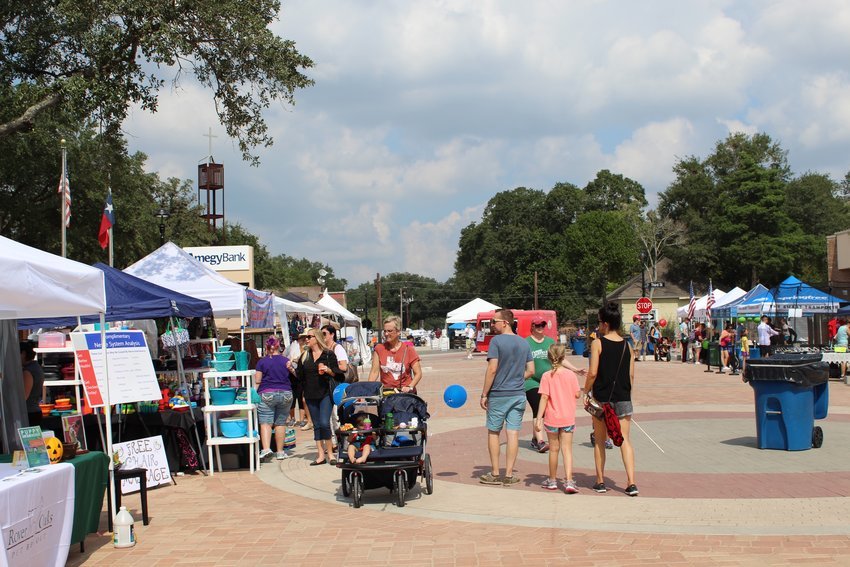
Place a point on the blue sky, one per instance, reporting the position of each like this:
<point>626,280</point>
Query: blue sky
<point>422,111</point>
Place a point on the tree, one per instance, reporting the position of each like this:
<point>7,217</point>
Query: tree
<point>612,192</point>
<point>733,203</point>
<point>98,58</point>
<point>657,234</point>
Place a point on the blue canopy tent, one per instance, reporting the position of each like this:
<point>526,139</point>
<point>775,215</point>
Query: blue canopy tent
<point>795,294</point>
<point>129,297</point>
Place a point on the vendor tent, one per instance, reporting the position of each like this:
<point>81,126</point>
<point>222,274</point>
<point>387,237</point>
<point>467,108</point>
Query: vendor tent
<point>352,326</point>
<point>36,284</point>
<point>172,267</point>
<point>791,294</point>
<point>469,311</point>
<point>39,284</point>
<point>129,297</point>
<point>733,295</point>
<point>733,308</point>
<point>702,302</point>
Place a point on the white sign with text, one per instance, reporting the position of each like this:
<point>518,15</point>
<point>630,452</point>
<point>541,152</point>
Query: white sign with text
<point>222,258</point>
<point>147,453</point>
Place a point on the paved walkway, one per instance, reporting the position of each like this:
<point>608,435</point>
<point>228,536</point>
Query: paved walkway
<point>708,495</point>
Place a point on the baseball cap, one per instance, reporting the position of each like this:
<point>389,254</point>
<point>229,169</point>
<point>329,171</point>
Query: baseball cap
<point>349,338</point>
<point>538,320</point>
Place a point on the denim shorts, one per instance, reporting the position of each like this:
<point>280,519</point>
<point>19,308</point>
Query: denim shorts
<point>274,407</point>
<point>505,411</point>
<point>557,430</point>
<point>623,409</point>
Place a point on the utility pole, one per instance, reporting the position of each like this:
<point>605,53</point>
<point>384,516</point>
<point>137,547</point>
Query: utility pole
<point>380,317</point>
<point>401,306</point>
<point>535,290</point>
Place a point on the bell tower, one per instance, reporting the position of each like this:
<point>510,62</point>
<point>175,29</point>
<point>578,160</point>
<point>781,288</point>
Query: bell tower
<point>211,189</point>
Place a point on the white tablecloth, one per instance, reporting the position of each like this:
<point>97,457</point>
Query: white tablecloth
<point>36,515</point>
<point>836,357</point>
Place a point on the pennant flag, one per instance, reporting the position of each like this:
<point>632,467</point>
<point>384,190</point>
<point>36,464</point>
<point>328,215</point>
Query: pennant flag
<point>693,303</point>
<point>107,221</point>
<point>709,303</point>
<point>65,188</point>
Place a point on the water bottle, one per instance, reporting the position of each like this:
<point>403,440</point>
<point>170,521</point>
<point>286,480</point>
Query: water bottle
<point>389,421</point>
<point>123,536</point>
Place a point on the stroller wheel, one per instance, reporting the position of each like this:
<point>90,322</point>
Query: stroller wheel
<point>357,490</point>
<point>400,488</point>
<point>428,473</point>
<point>346,488</point>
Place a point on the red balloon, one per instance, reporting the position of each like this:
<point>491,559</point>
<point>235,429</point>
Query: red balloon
<point>663,322</point>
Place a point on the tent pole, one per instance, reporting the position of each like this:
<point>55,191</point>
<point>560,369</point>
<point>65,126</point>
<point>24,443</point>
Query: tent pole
<point>108,407</point>
<point>182,378</point>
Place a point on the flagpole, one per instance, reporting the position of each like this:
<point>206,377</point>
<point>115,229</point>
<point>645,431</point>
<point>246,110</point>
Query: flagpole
<point>62,196</point>
<point>109,191</point>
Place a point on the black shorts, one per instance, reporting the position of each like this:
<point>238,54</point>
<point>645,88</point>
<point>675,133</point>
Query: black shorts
<point>533,397</point>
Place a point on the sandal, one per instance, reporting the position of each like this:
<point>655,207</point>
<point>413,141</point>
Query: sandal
<point>307,427</point>
<point>315,463</point>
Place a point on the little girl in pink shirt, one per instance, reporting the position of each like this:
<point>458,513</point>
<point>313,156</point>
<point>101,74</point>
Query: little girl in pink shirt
<point>559,391</point>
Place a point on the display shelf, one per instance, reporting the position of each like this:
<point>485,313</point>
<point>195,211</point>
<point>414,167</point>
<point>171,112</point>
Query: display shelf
<point>60,383</point>
<point>55,350</point>
<point>76,383</point>
<point>214,440</point>
<point>229,407</point>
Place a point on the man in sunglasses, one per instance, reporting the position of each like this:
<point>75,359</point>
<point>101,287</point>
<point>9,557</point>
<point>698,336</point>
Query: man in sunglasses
<point>509,363</point>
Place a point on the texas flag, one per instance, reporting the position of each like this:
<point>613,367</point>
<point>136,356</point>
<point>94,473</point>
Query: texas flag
<point>107,221</point>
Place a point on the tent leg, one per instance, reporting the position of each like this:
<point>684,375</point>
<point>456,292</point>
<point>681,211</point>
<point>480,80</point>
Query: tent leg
<point>183,386</point>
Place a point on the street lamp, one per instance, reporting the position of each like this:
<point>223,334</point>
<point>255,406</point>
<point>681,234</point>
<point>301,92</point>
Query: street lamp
<point>162,215</point>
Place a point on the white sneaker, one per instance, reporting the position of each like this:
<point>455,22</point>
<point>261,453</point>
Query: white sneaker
<point>266,455</point>
<point>570,487</point>
<point>281,455</point>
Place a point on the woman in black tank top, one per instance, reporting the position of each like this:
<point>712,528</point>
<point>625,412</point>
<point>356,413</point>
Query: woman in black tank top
<point>610,379</point>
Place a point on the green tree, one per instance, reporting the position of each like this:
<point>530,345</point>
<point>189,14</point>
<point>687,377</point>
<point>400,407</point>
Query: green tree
<point>98,58</point>
<point>612,192</point>
<point>733,203</point>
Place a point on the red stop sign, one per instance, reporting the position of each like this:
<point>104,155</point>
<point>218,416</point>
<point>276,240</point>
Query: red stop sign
<point>644,305</point>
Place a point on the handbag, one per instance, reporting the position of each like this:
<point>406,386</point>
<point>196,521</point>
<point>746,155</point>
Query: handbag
<point>593,407</point>
<point>351,375</point>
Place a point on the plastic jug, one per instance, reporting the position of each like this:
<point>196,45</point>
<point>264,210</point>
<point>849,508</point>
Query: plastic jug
<point>124,535</point>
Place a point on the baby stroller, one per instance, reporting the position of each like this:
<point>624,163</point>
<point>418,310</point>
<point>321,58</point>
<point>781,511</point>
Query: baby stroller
<point>399,457</point>
<point>662,350</point>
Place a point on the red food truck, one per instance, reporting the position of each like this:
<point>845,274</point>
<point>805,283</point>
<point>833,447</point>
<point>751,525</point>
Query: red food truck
<point>522,325</point>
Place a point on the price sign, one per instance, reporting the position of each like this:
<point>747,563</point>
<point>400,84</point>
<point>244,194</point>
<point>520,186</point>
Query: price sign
<point>644,305</point>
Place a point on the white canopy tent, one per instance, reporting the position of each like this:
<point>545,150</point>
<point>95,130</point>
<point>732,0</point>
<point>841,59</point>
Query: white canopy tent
<point>352,327</point>
<point>469,311</point>
<point>39,284</point>
<point>731,296</point>
<point>699,309</point>
<point>172,267</point>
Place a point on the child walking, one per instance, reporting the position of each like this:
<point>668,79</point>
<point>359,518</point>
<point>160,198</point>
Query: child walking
<point>559,391</point>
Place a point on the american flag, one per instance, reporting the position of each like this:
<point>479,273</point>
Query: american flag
<point>693,303</point>
<point>65,187</point>
<point>709,303</point>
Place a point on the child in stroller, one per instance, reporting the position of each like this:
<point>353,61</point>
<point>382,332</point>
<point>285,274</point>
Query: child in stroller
<point>361,439</point>
<point>663,348</point>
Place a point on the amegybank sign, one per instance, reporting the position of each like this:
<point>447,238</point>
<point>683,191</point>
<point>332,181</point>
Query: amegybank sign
<point>222,258</point>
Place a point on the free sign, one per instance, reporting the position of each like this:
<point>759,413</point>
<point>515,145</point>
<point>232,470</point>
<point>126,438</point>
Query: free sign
<point>644,305</point>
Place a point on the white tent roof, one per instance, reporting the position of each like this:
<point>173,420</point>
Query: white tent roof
<point>334,305</point>
<point>172,267</point>
<point>282,306</point>
<point>39,284</point>
<point>469,311</point>
<point>699,309</point>
<point>732,295</point>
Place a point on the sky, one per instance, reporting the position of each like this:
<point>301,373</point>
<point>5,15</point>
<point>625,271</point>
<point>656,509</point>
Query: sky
<point>422,111</point>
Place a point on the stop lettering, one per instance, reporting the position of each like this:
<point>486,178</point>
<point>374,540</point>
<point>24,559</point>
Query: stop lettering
<point>644,305</point>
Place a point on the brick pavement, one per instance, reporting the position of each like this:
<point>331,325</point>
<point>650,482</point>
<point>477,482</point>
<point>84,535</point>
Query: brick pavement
<point>292,514</point>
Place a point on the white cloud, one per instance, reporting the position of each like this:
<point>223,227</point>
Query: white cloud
<point>422,111</point>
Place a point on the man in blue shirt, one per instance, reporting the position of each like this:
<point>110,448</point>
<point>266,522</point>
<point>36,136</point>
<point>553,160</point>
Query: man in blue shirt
<point>509,363</point>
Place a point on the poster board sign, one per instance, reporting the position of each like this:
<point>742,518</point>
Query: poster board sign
<point>73,430</point>
<point>147,453</point>
<point>32,440</point>
<point>128,361</point>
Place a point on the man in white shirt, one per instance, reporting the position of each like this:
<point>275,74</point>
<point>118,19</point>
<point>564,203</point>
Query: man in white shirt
<point>765,331</point>
<point>470,340</point>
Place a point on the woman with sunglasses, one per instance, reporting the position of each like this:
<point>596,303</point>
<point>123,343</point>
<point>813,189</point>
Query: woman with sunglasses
<point>395,363</point>
<point>316,370</point>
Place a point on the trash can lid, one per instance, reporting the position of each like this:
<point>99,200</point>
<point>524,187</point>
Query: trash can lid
<point>804,369</point>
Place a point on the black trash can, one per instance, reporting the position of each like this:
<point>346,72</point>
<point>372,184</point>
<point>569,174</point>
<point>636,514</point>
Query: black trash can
<point>791,391</point>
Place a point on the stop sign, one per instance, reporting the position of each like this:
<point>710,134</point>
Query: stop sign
<point>644,305</point>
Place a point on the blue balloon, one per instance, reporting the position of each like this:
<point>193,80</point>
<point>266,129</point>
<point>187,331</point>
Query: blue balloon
<point>339,393</point>
<point>455,396</point>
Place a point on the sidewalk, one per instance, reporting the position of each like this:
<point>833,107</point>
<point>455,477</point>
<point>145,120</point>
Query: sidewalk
<point>710,498</point>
